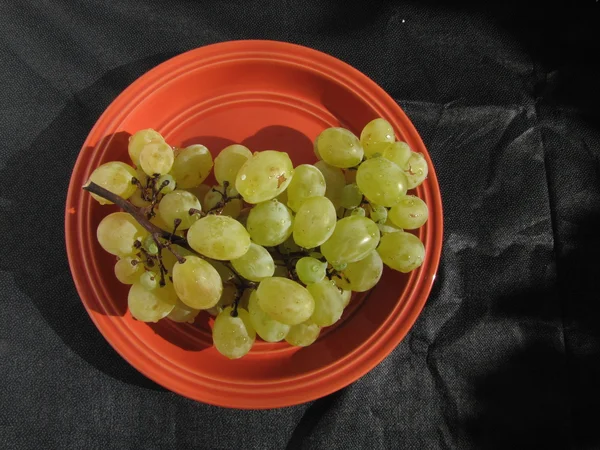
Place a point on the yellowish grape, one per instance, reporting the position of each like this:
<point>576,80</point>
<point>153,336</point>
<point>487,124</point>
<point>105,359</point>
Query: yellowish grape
<point>138,140</point>
<point>267,328</point>
<point>264,176</point>
<point>303,334</point>
<point>176,206</point>
<point>340,148</point>
<point>116,177</point>
<point>233,336</point>
<point>334,182</point>
<point>118,232</point>
<point>229,162</point>
<point>399,152</point>
<point>401,251</point>
<point>416,170</point>
<point>353,239</point>
<point>315,222</point>
<point>411,213</point>
<point>285,300</point>
<point>308,181</point>
<point>156,157</point>
<point>183,313</point>
<point>128,270</point>
<point>191,166</point>
<point>375,136</point>
<point>254,265</point>
<point>197,283</point>
<point>219,237</point>
<point>382,181</point>
<point>200,192</point>
<point>329,305</point>
<point>310,270</point>
<point>151,305</point>
<point>269,223</point>
<point>360,276</point>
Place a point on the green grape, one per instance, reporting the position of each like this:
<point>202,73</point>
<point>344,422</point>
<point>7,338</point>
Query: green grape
<point>379,213</point>
<point>176,206</point>
<point>166,183</point>
<point>118,232</point>
<point>351,196</point>
<point>264,176</point>
<point>359,212</point>
<point>416,170</point>
<point>353,239</point>
<point>303,334</point>
<point>285,300</point>
<point>360,276</point>
<point>149,280</point>
<point>388,227</point>
<point>150,245</point>
<point>219,237</point>
<point>329,305</point>
<point>197,283</point>
<point>382,181</point>
<point>232,208</point>
<point>339,267</point>
<point>270,223</point>
<point>411,213</point>
<point>339,147</point>
<point>268,329</point>
<point>128,270</point>
<point>191,166</point>
<point>183,313</point>
<point>314,222</point>
<point>334,182</point>
<point>375,136</point>
<point>399,152</point>
<point>138,140</point>
<point>156,157</point>
<point>346,297</point>
<point>200,192</point>
<point>233,336</point>
<point>137,199</point>
<point>229,162</point>
<point>308,181</point>
<point>151,305</point>
<point>401,251</point>
<point>256,264</point>
<point>116,177</point>
<point>310,270</point>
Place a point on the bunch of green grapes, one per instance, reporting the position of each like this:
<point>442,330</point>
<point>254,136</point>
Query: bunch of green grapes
<point>271,250</point>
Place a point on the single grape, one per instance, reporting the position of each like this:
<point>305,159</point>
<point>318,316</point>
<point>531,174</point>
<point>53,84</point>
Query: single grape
<point>303,334</point>
<point>339,147</point>
<point>191,166</point>
<point>379,213</point>
<point>353,239</point>
<point>410,213</point>
<point>308,181</point>
<point>219,237</point>
<point>197,283</point>
<point>150,245</point>
<point>216,196</point>
<point>315,222</point>
<point>329,305</point>
<point>176,206</point>
<point>128,270</point>
<point>382,181</point>
<point>156,157</point>
<point>346,297</point>
<point>401,251</point>
<point>388,227</point>
<point>285,300</point>
<point>256,264</point>
<point>233,336</point>
<point>166,183</point>
<point>270,223</point>
<point>118,232</point>
<point>229,162</point>
<point>310,270</point>
<point>183,313</point>
<point>416,170</point>
<point>334,182</point>
<point>264,176</point>
<point>200,192</point>
<point>399,152</point>
<point>359,212</point>
<point>151,305</point>
<point>351,196</point>
<point>360,276</point>
<point>138,140</point>
<point>116,177</point>
<point>268,329</point>
<point>375,136</point>
<point>149,280</point>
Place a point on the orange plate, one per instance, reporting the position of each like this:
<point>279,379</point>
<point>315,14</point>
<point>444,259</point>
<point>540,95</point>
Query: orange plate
<point>266,95</point>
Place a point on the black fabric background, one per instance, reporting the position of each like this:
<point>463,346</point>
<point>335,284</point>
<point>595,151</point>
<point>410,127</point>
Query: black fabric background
<point>506,353</point>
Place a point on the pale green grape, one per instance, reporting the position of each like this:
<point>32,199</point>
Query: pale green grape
<point>270,223</point>
<point>375,136</point>
<point>329,305</point>
<point>156,157</point>
<point>177,205</point>
<point>310,270</point>
<point>118,232</point>
<point>183,313</point>
<point>303,334</point>
<point>229,162</point>
<point>200,192</point>
<point>149,280</point>
<point>138,140</point>
<point>388,227</point>
<point>150,245</point>
<point>128,270</point>
<point>166,183</point>
<point>410,213</point>
<point>379,213</point>
<point>116,177</point>
<point>360,212</point>
<point>401,251</point>
<point>314,222</point>
<point>339,147</point>
<point>191,166</point>
<point>346,297</point>
<point>254,265</point>
<point>382,181</point>
<point>308,181</point>
<point>416,170</point>
<point>334,182</point>
<point>285,300</point>
<point>360,276</point>
<point>219,237</point>
<point>399,152</point>
<point>197,283</point>
<point>351,196</point>
<point>267,328</point>
<point>353,239</point>
<point>264,176</point>
<point>233,336</point>
<point>215,195</point>
<point>151,305</point>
